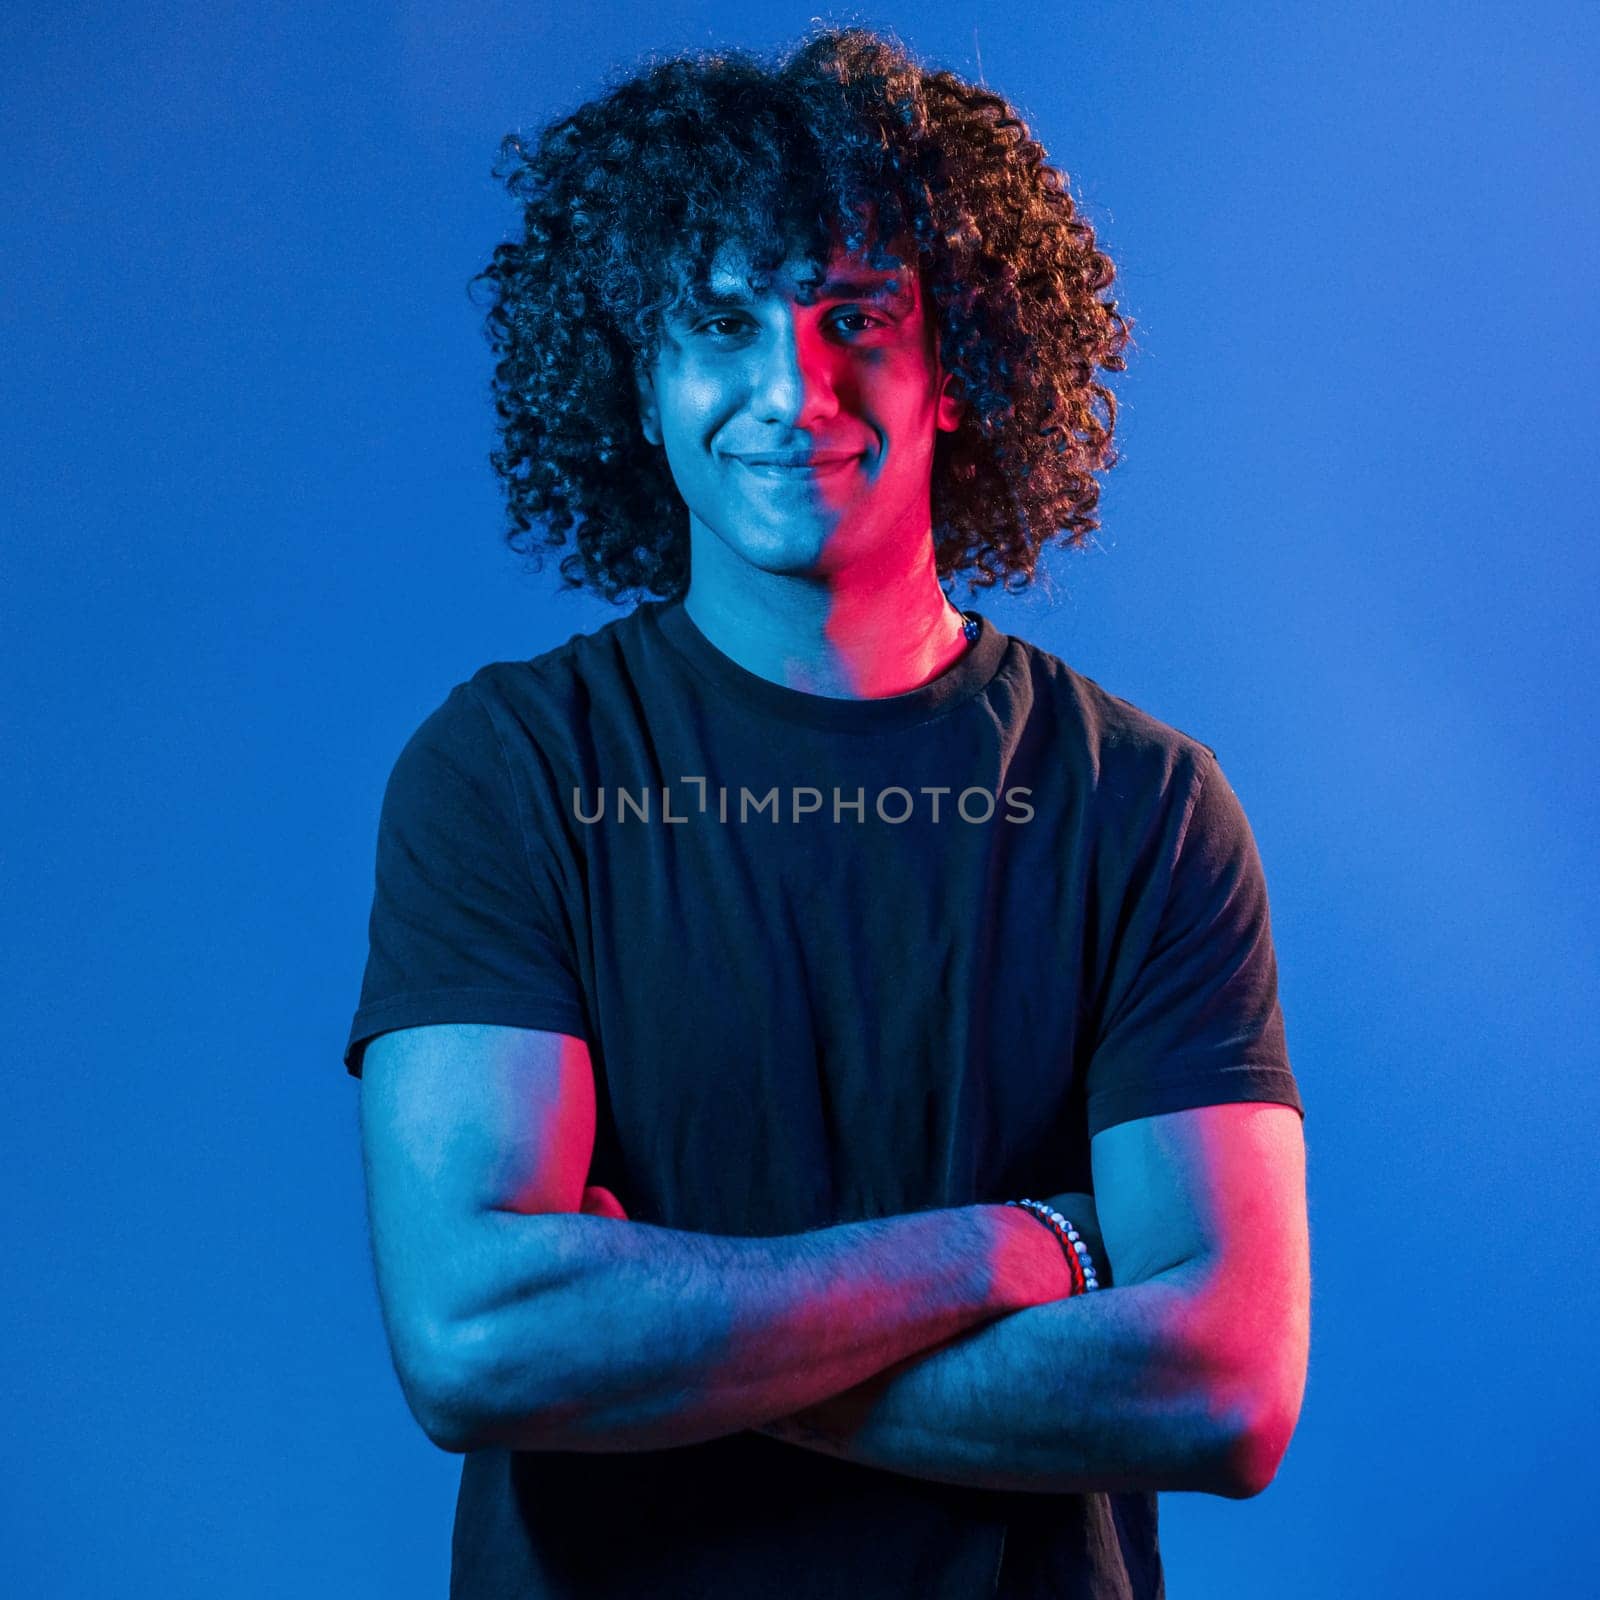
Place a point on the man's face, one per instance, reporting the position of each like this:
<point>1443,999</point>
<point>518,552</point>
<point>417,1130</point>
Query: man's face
<point>842,364</point>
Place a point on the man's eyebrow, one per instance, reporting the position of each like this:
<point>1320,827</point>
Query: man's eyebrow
<point>878,290</point>
<point>886,289</point>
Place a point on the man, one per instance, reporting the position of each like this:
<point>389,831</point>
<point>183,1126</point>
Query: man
<point>733,964</point>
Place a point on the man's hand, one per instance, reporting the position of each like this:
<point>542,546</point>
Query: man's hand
<point>598,1202</point>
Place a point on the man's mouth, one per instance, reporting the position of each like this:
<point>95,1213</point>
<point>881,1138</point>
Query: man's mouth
<point>824,464</point>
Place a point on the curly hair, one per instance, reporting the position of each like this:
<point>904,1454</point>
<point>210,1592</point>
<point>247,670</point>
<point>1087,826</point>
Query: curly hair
<point>625,203</point>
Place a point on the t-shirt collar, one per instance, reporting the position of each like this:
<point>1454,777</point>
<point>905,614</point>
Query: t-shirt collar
<point>960,681</point>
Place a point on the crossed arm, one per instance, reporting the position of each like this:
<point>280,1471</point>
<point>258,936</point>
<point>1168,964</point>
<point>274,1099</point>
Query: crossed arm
<point>1202,1216</point>
<point>867,1341</point>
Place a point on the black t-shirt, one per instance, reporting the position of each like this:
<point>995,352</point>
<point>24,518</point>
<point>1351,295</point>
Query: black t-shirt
<point>834,960</point>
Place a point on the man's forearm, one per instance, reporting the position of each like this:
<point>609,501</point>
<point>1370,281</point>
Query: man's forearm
<point>1099,1392</point>
<point>600,1335</point>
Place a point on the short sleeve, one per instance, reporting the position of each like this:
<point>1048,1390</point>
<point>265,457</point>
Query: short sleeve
<point>462,928</point>
<point>1193,1017</point>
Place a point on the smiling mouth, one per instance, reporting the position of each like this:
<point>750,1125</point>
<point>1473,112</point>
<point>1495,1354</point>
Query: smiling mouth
<point>827,468</point>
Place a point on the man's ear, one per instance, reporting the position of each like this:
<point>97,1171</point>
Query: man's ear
<point>948,416</point>
<point>947,411</point>
<point>649,416</point>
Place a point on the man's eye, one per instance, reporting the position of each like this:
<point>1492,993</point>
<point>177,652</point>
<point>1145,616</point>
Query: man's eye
<point>736,323</point>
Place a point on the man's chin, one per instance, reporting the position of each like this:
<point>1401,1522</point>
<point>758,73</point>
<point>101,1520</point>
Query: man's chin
<point>784,549</point>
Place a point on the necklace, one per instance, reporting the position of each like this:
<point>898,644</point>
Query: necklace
<point>969,624</point>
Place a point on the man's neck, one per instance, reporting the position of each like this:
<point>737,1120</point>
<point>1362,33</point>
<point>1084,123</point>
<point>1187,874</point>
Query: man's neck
<point>863,636</point>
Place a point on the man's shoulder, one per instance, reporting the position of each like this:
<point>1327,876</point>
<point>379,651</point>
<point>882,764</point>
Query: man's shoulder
<point>1115,731</point>
<point>564,679</point>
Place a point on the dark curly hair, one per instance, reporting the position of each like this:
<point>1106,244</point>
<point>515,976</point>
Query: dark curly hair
<point>625,203</point>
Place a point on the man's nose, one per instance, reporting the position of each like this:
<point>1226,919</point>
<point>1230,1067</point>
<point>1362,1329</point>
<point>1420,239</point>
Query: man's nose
<point>797,375</point>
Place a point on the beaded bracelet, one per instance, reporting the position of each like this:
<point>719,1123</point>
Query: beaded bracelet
<point>1079,1260</point>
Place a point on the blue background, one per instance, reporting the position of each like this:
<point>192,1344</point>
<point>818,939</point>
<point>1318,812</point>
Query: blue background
<point>252,537</point>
